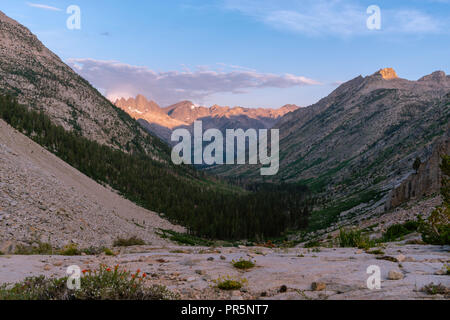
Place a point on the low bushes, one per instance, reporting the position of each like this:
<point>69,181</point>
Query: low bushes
<point>229,283</point>
<point>40,249</point>
<point>132,241</point>
<point>433,289</point>
<point>354,239</point>
<point>243,264</point>
<point>399,230</point>
<point>102,284</point>
<point>68,250</point>
<point>312,244</point>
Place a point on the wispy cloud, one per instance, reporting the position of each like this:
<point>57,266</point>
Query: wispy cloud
<point>117,79</point>
<point>43,6</point>
<point>335,17</point>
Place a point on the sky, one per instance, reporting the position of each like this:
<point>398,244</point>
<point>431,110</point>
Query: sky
<point>249,53</point>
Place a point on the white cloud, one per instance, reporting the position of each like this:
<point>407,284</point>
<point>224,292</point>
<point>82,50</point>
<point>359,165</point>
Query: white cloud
<point>334,17</point>
<point>117,79</point>
<point>412,21</point>
<point>43,6</point>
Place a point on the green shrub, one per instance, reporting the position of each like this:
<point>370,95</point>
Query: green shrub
<point>312,244</point>
<point>243,264</point>
<point>229,283</point>
<point>434,289</point>
<point>399,230</point>
<point>92,251</point>
<point>436,230</point>
<point>354,239</point>
<point>132,241</point>
<point>41,249</point>
<point>70,250</point>
<point>108,252</point>
<point>102,284</point>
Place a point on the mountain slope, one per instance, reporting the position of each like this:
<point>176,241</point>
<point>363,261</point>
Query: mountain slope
<point>365,134</point>
<point>39,79</point>
<point>44,199</point>
<point>372,123</point>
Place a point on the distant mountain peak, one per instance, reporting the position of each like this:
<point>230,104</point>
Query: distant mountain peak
<point>139,105</point>
<point>435,76</point>
<point>387,73</point>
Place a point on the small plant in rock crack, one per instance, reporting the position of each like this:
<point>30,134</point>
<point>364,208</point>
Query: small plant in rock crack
<point>230,283</point>
<point>433,289</point>
<point>243,264</point>
<point>375,251</point>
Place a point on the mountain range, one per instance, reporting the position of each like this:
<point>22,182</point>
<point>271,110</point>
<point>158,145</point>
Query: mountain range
<point>162,121</point>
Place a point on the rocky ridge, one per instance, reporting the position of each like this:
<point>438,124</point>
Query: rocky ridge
<point>162,121</point>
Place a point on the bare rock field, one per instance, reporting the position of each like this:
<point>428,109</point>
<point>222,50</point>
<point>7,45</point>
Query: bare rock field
<point>287,274</point>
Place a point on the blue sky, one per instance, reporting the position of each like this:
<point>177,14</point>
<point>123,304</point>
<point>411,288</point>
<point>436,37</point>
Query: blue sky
<point>252,53</point>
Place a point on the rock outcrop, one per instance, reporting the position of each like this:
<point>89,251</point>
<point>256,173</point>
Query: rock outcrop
<point>426,181</point>
<point>388,74</point>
